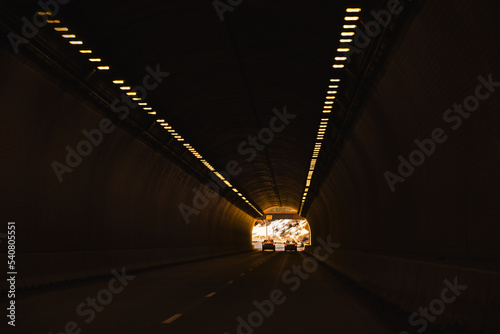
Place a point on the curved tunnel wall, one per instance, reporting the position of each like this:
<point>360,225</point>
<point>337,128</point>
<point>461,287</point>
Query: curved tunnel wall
<point>441,222</point>
<point>118,207</point>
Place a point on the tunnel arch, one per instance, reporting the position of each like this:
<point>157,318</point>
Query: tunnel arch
<point>281,223</point>
<point>119,207</point>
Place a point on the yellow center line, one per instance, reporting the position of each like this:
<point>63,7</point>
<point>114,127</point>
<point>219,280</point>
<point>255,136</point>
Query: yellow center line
<point>172,319</point>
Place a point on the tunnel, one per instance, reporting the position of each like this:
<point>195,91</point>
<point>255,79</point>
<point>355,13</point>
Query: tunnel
<point>142,140</point>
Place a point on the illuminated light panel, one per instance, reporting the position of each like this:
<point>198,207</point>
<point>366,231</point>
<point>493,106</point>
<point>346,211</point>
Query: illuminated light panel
<point>343,49</point>
<point>328,102</point>
<point>338,59</point>
<point>351,18</point>
<point>353,10</point>
<point>345,40</point>
<point>142,104</point>
<point>331,92</point>
<point>347,33</point>
<point>349,26</point>
<point>44,13</point>
<point>328,107</point>
<point>53,21</point>
<point>334,80</point>
<point>330,97</point>
<point>333,86</point>
<point>149,109</point>
<point>338,66</point>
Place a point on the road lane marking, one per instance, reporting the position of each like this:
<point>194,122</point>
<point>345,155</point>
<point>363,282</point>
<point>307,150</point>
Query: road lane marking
<point>172,319</point>
<point>210,294</point>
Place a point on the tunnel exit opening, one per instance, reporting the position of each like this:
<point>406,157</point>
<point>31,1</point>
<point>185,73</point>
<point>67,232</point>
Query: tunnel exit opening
<point>281,224</point>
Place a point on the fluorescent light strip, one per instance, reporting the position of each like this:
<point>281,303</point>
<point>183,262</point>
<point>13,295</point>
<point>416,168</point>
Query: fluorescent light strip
<point>328,104</point>
<point>162,122</point>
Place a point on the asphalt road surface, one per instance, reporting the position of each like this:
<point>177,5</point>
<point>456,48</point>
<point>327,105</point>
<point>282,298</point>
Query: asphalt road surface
<point>256,292</point>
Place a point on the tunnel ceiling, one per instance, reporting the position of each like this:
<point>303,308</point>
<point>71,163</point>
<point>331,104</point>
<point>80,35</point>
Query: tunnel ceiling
<point>226,77</point>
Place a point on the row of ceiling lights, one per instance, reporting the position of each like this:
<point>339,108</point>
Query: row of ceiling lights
<point>345,37</point>
<point>121,83</point>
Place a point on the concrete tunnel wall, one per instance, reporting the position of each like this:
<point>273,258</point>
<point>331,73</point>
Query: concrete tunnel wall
<point>119,207</point>
<point>442,222</point>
